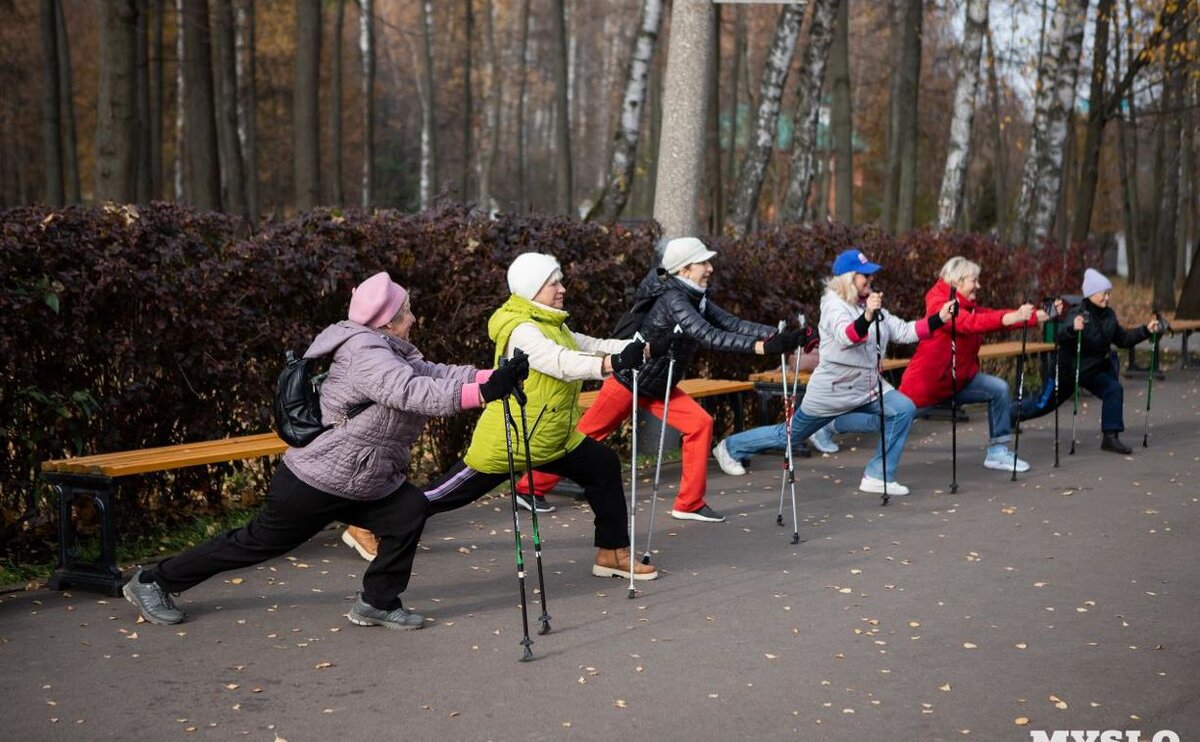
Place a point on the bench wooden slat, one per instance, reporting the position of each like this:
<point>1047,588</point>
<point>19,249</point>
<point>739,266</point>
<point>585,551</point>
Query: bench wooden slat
<point>83,463</point>
<point>991,351</point>
<point>1185,325</point>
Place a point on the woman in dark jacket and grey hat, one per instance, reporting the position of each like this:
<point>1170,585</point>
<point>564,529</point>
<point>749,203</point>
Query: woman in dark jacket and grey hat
<point>680,290</point>
<point>355,472</point>
<point>1092,329</point>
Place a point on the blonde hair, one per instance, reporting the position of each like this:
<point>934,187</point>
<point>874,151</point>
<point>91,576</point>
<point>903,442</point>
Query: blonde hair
<point>958,269</point>
<point>843,287</point>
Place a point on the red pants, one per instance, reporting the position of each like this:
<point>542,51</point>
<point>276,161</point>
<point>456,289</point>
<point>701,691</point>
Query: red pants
<point>612,407</point>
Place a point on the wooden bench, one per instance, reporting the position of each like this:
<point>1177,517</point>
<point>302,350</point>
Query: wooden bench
<point>1186,327</point>
<point>96,478</point>
<point>769,384</point>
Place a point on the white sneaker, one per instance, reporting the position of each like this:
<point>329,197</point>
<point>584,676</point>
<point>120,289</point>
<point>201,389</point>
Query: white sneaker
<point>1003,460</point>
<point>822,440</point>
<point>875,487</point>
<point>729,465</point>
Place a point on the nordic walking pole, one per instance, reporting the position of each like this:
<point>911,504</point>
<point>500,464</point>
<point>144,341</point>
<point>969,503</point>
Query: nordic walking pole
<point>1020,397</point>
<point>633,474</point>
<point>789,476</point>
<point>885,498</point>
<point>1162,323</point>
<point>1055,317</point>
<point>662,435</point>
<point>537,536</point>
<point>953,392</point>
<point>1078,353</point>
<point>512,483</point>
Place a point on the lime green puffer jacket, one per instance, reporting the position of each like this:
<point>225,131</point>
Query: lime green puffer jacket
<point>555,400</point>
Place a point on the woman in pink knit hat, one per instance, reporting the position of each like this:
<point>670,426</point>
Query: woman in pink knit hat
<point>354,472</point>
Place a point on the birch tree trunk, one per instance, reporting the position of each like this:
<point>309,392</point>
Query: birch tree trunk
<point>522,96</point>
<point>808,102</point>
<point>958,156</point>
<point>612,199</point>
<point>842,123</point>
<point>335,103</point>
<point>366,50</point>
<point>306,120</point>
<point>115,116</point>
<point>1041,179</point>
<point>51,107</point>
<point>746,190</point>
<point>428,110</point>
<point>563,175</point>
<point>910,87</point>
<point>491,135</point>
<point>248,102</point>
<point>204,177</point>
<point>1089,170</point>
<point>232,163</point>
<point>1001,156</point>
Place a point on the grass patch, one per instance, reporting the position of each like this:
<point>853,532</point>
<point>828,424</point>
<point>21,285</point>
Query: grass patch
<point>162,542</point>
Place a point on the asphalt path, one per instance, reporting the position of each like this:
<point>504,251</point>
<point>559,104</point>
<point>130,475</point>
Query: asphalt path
<point>1064,601</point>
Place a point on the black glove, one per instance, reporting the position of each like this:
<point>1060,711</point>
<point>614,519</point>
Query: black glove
<point>664,345</point>
<point>811,338</point>
<point>505,378</point>
<point>782,342</point>
<point>631,357</point>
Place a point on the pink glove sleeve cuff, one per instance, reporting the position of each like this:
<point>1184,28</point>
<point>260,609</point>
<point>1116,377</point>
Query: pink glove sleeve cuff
<point>470,399</point>
<point>483,374</point>
<point>922,327</point>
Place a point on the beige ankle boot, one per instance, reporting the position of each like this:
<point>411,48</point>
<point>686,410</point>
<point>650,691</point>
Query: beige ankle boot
<point>362,541</point>
<point>615,563</point>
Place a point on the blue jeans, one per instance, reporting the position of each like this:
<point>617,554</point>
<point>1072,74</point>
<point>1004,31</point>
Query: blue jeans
<point>994,391</point>
<point>898,412</point>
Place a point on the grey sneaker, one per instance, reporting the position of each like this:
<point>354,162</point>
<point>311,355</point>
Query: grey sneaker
<point>539,500</point>
<point>364,614</point>
<point>154,603</point>
<point>705,513</point>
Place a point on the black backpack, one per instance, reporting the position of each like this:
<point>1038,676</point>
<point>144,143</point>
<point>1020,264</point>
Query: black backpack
<point>297,403</point>
<point>631,321</point>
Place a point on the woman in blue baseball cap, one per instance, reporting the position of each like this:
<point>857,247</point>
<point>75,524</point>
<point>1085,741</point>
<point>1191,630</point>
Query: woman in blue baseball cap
<point>845,385</point>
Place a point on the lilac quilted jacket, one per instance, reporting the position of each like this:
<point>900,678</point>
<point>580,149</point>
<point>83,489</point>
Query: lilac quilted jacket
<point>368,457</point>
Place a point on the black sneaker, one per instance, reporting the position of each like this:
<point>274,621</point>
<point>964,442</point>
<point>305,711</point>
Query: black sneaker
<point>365,614</point>
<point>542,505</point>
<point>154,603</point>
<point>705,513</point>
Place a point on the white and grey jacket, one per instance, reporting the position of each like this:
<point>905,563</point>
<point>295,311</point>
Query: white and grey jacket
<point>848,373</point>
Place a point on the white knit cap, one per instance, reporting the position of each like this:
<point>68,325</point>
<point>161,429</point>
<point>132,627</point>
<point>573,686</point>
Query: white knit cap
<point>529,273</point>
<point>683,251</point>
<point>1094,282</point>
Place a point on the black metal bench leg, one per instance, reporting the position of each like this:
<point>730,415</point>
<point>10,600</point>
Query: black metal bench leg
<point>739,420</point>
<point>1185,360</point>
<point>101,574</point>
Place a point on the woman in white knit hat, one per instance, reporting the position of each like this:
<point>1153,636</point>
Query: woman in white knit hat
<point>1095,320</point>
<point>533,320</point>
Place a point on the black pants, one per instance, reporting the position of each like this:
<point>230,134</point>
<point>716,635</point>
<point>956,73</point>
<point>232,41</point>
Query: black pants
<point>294,513</point>
<point>1103,385</point>
<point>593,466</point>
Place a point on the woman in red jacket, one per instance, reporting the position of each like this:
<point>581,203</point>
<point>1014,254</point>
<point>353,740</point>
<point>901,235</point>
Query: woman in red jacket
<point>927,380</point>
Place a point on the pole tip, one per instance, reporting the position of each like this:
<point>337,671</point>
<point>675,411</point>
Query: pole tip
<point>632,593</point>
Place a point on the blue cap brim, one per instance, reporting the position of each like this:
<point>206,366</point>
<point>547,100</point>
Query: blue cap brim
<point>868,268</point>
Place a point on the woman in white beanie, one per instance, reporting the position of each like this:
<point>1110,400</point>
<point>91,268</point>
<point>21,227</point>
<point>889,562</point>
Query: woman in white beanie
<point>560,360</point>
<point>356,471</point>
<point>1095,320</point>
<point>679,292</point>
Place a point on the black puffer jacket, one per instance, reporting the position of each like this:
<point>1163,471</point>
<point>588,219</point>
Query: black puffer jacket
<point>704,324</point>
<point>1100,333</point>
